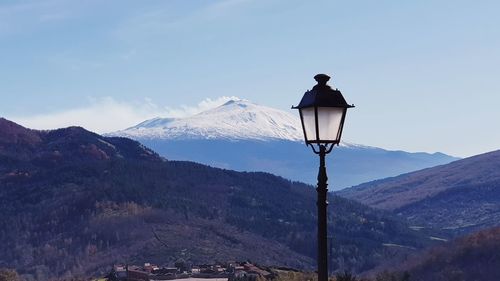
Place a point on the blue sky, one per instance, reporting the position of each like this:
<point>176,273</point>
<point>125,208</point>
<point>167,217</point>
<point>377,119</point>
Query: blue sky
<point>423,74</point>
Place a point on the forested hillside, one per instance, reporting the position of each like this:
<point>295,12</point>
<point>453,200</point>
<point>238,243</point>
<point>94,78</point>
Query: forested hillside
<point>73,202</point>
<point>462,196</point>
<point>474,257</point>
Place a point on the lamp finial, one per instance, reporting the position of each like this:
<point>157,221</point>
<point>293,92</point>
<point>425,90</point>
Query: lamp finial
<point>321,79</point>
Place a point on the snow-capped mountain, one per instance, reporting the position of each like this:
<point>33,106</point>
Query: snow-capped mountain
<point>241,135</point>
<point>234,120</point>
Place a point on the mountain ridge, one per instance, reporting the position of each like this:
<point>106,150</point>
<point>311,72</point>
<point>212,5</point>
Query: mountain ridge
<point>463,195</point>
<point>48,147</point>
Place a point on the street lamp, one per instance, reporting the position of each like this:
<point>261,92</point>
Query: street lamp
<point>322,113</point>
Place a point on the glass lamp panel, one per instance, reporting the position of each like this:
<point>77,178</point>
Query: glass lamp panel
<point>329,119</point>
<point>309,123</point>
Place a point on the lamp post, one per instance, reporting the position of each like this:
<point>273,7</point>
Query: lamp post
<point>322,113</point>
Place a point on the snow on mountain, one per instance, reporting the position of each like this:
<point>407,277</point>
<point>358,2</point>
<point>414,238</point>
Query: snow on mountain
<point>234,120</point>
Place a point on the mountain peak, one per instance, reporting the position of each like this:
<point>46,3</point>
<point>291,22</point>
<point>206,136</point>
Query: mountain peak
<point>237,119</point>
<point>238,102</point>
<point>11,132</point>
<point>65,145</point>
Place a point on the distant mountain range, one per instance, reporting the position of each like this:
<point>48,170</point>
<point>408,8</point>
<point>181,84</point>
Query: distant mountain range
<point>462,196</point>
<point>72,203</point>
<point>245,136</point>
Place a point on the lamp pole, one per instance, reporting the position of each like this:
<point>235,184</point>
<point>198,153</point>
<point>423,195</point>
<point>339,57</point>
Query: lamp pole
<point>322,113</point>
<point>322,203</point>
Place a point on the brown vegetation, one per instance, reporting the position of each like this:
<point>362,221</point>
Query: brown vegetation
<point>474,257</point>
<point>8,275</point>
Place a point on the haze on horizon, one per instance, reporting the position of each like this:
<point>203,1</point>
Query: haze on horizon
<point>423,75</point>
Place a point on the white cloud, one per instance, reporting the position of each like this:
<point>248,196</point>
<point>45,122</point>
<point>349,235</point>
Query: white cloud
<point>103,115</point>
<point>208,103</point>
